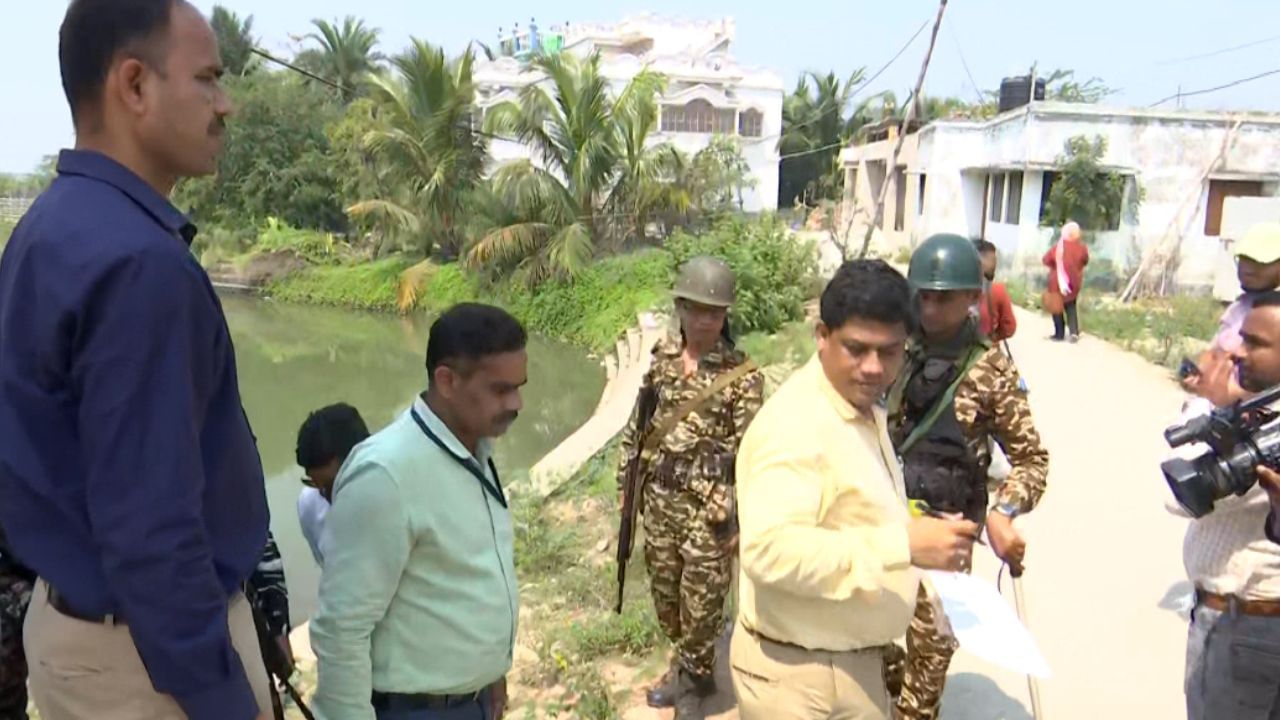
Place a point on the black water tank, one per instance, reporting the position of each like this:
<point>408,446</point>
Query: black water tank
<point>1016,92</point>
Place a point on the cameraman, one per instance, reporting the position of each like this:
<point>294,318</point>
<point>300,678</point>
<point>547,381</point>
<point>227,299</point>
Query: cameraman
<point>1233,644</point>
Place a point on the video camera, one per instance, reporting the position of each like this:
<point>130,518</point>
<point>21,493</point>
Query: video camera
<point>1240,438</point>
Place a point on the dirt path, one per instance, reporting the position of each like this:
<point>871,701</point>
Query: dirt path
<point>1105,576</point>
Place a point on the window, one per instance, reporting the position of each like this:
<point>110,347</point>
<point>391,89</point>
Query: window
<point>1013,208</point>
<point>1219,191</point>
<point>751,123</point>
<point>920,201</point>
<point>900,198</point>
<point>698,116</point>
<point>1046,187</point>
<point>997,198</point>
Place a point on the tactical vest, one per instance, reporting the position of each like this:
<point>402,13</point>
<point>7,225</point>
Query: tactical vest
<point>938,465</point>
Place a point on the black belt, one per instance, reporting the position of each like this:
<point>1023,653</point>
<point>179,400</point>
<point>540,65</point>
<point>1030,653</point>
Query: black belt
<point>404,702</point>
<point>59,602</point>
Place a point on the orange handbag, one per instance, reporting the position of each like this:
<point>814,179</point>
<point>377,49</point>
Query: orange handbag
<point>1052,302</point>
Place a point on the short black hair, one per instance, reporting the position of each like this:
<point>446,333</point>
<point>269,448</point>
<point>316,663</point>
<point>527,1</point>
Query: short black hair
<point>329,434</point>
<point>984,246</point>
<point>867,290</point>
<point>95,32</point>
<point>469,331</point>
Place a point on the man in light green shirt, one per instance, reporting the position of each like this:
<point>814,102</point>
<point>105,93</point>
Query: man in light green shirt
<point>418,599</point>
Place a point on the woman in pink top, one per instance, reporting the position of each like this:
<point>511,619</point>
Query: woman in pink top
<point>1066,261</point>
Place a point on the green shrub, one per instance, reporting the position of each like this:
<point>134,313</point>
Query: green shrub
<point>368,286</point>
<point>317,248</point>
<point>776,273</point>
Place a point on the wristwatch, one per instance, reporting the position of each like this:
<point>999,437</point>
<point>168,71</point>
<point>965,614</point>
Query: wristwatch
<point>1009,510</point>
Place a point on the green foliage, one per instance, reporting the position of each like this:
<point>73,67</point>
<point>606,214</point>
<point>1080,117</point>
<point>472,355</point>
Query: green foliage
<point>591,154</point>
<point>367,286</point>
<point>816,122</point>
<point>277,160</point>
<point>1082,191</point>
<point>317,248</point>
<point>345,54</point>
<point>6,229</point>
<point>775,272</point>
<point>1062,86</point>
<point>792,344</point>
<point>595,307</point>
<point>235,40</point>
<point>428,154</point>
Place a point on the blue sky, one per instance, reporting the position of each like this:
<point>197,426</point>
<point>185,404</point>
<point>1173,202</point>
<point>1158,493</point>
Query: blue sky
<point>1128,43</point>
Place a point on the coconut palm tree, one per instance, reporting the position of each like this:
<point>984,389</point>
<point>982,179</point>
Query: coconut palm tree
<point>814,126</point>
<point>346,53</point>
<point>649,180</point>
<point>572,130</point>
<point>235,40</point>
<point>426,147</point>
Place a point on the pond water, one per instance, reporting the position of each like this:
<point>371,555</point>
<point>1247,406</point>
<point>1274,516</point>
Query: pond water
<point>294,359</point>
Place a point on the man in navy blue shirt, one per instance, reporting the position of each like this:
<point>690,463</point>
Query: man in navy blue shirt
<point>129,477</point>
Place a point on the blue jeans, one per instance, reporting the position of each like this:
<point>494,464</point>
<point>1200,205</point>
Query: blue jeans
<point>1233,666</point>
<point>479,709</point>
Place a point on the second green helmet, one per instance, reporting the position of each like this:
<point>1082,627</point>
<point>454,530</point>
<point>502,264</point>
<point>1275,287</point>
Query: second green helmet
<point>945,261</point>
<point>707,281</point>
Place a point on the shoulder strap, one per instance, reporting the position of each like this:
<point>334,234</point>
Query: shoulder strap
<point>669,422</point>
<point>944,401</point>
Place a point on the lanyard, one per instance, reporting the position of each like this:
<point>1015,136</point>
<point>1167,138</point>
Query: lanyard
<point>494,487</point>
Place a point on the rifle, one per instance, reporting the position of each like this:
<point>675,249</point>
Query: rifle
<point>278,666</point>
<point>633,486</point>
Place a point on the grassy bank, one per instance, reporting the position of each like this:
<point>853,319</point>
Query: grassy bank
<point>1162,330</point>
<point>775,274</point>
<point>590,311</point>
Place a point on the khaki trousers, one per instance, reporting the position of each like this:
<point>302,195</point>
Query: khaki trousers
<point>783,682</point>
<point>91,671</point>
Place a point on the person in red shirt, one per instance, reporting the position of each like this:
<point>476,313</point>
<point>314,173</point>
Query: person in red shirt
<point>1066,261</point>
<point>995,310</point>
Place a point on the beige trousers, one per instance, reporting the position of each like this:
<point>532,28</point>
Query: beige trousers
<point>89,671</point>
<point>784,682</point>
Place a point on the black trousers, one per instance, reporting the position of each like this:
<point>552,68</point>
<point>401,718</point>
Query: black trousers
<point>1072,320</point>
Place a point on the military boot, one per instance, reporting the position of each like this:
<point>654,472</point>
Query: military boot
<point>690,690</point>
<point>663,693</point>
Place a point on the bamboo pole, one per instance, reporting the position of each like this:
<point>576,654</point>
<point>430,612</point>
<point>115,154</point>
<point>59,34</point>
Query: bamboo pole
<point>1131,288</point>
<point>891,168</point>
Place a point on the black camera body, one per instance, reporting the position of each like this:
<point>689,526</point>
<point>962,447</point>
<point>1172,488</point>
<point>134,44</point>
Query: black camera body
<point>1240,438</point>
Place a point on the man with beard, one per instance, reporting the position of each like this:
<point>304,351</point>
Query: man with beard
<point>1233,643</point>
<point>418,605</point>
<point>1258,267</point>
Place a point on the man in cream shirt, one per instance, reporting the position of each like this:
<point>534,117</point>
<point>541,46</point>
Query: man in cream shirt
<point>827,543</point>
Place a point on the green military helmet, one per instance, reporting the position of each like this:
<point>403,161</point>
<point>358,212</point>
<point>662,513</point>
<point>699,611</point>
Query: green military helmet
<point>945,261</point>
<point>706,280</point>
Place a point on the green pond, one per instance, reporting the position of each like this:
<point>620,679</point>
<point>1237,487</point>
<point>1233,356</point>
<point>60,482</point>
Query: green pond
<point>294,359</point>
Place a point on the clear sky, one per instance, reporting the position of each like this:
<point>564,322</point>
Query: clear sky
<point>1128,43</point>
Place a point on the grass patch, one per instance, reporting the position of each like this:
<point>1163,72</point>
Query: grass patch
<point>567,576</point>
<point>793,344</point>
<point>367,286</point>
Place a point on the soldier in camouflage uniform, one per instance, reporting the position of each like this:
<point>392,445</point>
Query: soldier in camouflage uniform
<point>690,520</point>
<point>955,394</point>
<point>15,595</point>
<point>268,594</point>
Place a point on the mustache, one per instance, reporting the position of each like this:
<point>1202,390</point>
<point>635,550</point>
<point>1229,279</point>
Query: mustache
<point>218,126</point>
<point>507,418</point>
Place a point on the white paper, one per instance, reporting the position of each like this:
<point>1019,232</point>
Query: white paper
<point>985,624</point>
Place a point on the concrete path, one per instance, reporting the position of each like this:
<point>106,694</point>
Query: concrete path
<point>1104,577</point>
<point>624,370</point>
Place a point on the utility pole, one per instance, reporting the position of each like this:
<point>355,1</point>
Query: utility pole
<point>891,168</point>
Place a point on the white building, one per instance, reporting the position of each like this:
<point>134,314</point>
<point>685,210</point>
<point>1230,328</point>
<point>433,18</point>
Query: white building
<point>991,178</point>
<point>708,92</point>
